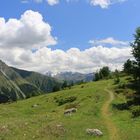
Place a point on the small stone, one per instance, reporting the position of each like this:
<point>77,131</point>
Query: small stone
<point>94,132</point>
<point>69,111</point>
<point>35,105</point>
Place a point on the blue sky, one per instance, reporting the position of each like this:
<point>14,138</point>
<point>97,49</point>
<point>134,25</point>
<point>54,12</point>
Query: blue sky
<point>75,23</point>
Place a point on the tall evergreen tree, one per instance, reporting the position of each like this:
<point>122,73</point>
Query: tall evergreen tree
<point>104,72</point>
<point>65,84</point>
<point>97,76</point>
<point>128,67</point>
<point>136,53</point>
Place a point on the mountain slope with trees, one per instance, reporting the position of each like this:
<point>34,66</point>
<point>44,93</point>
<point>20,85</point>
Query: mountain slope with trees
<point>18,84</point>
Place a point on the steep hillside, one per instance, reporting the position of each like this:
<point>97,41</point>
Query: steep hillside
<point>42,82</point>
<point>19,84</point>
<point>11,84</point>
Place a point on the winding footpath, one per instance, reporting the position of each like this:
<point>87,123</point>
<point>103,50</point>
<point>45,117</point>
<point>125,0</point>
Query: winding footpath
<point>112,130</point>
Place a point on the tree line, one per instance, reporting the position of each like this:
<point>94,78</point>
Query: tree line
<point>132,67</point>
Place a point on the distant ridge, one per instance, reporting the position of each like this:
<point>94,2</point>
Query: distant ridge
<point>18,84</point>
<point>74,76</point>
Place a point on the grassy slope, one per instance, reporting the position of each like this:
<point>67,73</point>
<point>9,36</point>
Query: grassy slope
<point>128,127</point>
<point>21,121</point>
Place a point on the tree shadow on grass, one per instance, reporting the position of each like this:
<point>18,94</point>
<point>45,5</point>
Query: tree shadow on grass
<point>126,106</point>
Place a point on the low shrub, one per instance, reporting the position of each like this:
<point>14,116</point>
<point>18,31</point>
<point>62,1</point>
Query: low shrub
<point>120,106</point>
<point>117,80</point>
<point>118,91</point>
<point>122,85</point>
<point>135,110</point>
<point>62,101</point>
<point>129,78</point>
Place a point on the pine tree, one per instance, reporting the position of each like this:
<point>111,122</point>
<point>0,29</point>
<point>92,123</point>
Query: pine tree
<point>136,53</point>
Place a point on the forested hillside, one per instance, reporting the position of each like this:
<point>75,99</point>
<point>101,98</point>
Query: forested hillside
<point>20,84</point>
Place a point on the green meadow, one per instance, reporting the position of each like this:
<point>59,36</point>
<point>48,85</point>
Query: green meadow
<point>42,117</point>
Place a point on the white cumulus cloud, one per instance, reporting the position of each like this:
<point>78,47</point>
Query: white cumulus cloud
<point>109,41</point>
<point>19,37</point>
<point>53,2</point>
<point>30,31</point>
<point>104,3</point>
<point>45,59</point>
<point>101,3</point>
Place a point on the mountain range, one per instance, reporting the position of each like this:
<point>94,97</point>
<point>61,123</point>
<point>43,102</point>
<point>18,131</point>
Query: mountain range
<point>18,84</point>
<point>74,77</point>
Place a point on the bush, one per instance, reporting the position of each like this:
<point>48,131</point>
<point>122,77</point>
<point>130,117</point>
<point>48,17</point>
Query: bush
<point>129,78</point>
<point>118,91</point>
<point>135,110</point>
<point>62,101</point>
<point>120,106</point>
<point>117,80</point>
<point>122,85</point>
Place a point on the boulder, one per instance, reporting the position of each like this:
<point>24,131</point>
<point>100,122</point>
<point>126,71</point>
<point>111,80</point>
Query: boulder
<point>35,105</point>
<point>69,111</point>
<point>94,132</point>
